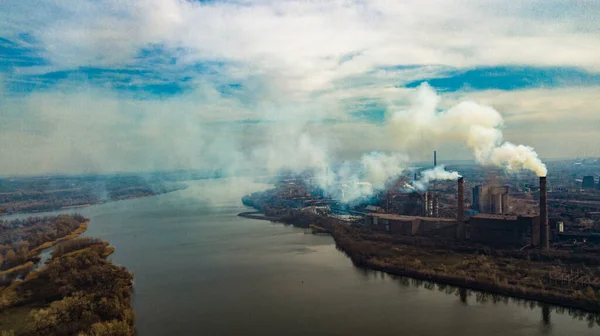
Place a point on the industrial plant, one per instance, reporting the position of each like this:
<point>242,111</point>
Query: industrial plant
<point>493,225</point>
<point>500,212</point>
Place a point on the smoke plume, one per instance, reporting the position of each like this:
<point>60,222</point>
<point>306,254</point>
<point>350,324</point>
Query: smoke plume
<point>353,182</point>
<point>478,126</point>
<point>379,168</point>
<point>438,173</point>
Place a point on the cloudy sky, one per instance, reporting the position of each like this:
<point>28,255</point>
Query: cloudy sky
<point>117,85</point>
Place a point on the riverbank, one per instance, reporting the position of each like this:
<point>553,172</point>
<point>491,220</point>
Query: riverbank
<point>79,292</point>
<point>30,202</point>
<point>436,266</point>
<point>523,274</point>
<point>81,229</point>
<point>23,240</point>
<point>259,215</point>
<point>34,254</point>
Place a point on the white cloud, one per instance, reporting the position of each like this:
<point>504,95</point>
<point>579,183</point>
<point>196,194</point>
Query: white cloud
<point>299,62</point>
<point>303,42</point>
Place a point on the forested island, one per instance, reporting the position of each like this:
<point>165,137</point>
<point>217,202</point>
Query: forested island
<point>21,241</point>
<point>564,278</point>
<point>76,292</point>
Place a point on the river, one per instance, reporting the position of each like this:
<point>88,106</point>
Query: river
<point>202,270</point>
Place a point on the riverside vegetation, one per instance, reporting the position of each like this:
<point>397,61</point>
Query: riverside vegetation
<point>76,292</point>
<point>565,278</point>
<point>21,241</point>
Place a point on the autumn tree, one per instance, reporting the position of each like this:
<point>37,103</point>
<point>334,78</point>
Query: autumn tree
<point>10,259</point>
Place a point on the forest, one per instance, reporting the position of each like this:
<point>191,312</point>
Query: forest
<point>76,292</point>
<point>21,240</point>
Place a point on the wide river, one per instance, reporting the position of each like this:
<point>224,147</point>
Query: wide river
<point>202,270</point>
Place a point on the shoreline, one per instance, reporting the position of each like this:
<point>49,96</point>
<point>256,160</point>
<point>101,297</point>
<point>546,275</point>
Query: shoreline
<point>81,229</point>
<point>259,215</point>
<point>80,206</point>
<point>507,290</point>
<point>466,282</point>
<point>77,206</point>
<point>33,305</point>
<point>481,287</point>
<point>35,253</point>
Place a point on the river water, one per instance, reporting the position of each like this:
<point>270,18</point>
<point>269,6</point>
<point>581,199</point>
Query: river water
<point>202,270</point>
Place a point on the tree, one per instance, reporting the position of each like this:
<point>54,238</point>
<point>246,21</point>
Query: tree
<point>10,258</point>
<point>65,317</point>
<point>589,293</point>
<point>22,253</point>
<point>111,328</point>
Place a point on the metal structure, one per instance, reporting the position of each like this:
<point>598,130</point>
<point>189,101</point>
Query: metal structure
<point>430,204</point>
<point>491,199</point>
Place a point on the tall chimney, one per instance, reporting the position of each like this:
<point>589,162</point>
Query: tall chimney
<point>544,230</point>
<point>460,209</point>
<point>434,159</point>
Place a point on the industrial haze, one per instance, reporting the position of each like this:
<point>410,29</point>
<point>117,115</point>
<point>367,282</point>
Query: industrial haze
<point>322,114</point>
<point>355,114</point>
<point>164,98</point>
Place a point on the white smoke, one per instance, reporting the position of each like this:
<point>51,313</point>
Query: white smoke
<point>438,173</point>
<point>479,126</point>
<point>379,168</point>
<point>408,187</point>
<point>515,157</point>
<point>353,182</point>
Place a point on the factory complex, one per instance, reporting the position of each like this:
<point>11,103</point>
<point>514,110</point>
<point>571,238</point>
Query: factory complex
<point>496,212</point>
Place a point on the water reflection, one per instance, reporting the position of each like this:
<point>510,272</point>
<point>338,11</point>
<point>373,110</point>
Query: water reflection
<point>201,269</point>
<point>546,322</point>
<point>464,294</point>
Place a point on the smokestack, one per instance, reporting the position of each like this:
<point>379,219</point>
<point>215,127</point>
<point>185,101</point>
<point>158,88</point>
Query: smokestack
<point>426,204</point>
<point>544,230</point>
<point>460,209</point>
<point>434,158</point>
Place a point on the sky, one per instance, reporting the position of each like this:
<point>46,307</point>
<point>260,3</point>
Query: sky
<point>112,85</point>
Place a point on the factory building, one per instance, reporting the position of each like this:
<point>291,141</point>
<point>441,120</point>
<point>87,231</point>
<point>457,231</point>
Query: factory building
<point>409,204</point>
<point>411,225</point>
<point>588,182</point>
<point>505,230</point>
<point>490,199</point>
<point>485,228</point>
<point>431,204</point>
<point>413,204</point>
<point>499,229</point>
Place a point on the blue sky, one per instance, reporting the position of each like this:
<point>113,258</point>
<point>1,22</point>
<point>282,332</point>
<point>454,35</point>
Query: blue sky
<point>162,84</point>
